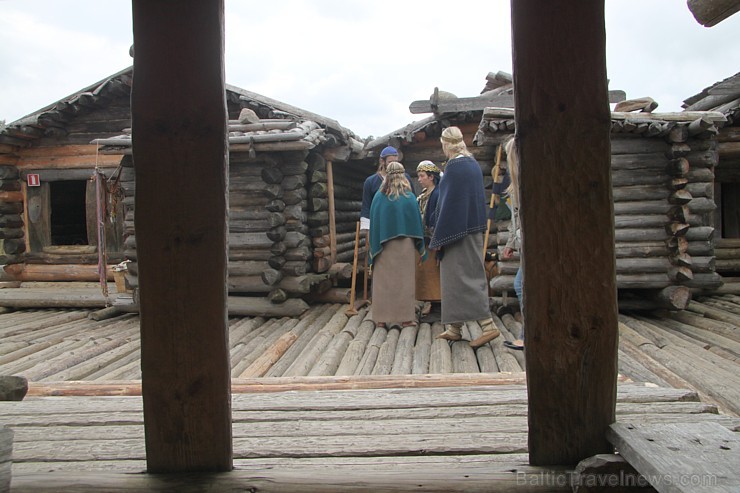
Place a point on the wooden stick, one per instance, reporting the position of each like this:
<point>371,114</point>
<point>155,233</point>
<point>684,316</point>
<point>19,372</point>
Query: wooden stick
<point>352,310</point>
<point>332,213</point>
<point>494,175</point>
<point>365,271</point>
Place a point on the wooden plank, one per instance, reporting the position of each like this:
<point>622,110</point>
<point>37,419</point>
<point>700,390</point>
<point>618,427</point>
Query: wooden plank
<point>677,458</point>
<point>291,437</point>
<point>396,474</point>
<point>712,12</point>
<point>185,361</point>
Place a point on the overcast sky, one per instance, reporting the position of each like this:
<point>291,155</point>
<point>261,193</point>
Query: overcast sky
<point>360,62</point>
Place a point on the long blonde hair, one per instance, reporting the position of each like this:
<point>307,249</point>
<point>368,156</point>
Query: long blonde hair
<point>395,182</point>
<point>512,164</point>
<point>453,143</point>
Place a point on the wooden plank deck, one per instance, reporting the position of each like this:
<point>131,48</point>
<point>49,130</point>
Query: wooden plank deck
<point>698,349</point>
<point>442,439</point>
<point>681,457</point>
<point>327,402</point>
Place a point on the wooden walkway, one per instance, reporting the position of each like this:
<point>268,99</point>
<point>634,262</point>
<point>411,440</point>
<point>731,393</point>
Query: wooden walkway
<point>327,402</point>
<point>697,349</point>
<point>443,439</point>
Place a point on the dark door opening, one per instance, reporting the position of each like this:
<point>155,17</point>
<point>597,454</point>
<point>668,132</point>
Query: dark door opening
<point>68,212</point>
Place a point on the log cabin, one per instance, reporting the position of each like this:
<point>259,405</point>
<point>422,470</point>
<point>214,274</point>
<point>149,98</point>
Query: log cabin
<point>724,98</point>
<point>295,186</point>
<point>662,173</point>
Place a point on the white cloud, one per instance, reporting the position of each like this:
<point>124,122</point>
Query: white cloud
<point>359,62</point>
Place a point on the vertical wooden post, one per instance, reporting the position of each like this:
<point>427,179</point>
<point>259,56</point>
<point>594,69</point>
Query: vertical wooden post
<point>332,213</point>
<point>570,303</point>
<point>180,155</point>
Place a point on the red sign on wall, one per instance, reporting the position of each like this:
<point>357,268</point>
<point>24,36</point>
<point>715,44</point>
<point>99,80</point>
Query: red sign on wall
<point>33,180</point>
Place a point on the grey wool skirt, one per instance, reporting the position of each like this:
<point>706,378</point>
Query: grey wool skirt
<point>394,283</point>
<point>463,279</point>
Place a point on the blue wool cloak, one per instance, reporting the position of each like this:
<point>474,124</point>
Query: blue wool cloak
<point>461,208</point>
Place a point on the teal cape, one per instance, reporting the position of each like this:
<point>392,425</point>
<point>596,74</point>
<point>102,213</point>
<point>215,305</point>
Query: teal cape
<point>396,218</point>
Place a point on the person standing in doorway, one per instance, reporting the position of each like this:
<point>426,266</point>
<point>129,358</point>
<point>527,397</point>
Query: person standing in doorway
<point>458,236</point>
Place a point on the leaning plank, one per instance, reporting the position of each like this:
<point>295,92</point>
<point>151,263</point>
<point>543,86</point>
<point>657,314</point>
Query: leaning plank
<point>677,458</point>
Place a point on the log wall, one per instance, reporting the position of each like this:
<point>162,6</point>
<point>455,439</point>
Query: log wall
<point>663,191</point>
<point>279,223</point>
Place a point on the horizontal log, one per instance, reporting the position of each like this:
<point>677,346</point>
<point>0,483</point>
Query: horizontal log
<point>67,272</point>
<point>255,284</point>
<point>728,265</point>
<point>641,221</point>
<point>262,307</point>
<point>641,249</point>
<point>11,196</point>
<point>247,267</point>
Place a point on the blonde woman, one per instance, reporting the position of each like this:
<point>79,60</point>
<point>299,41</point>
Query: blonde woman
<point>458,235</point>
<point>396,242</point>
<point>514,241</point>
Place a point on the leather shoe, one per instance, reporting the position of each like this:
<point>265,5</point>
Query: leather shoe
<point>449,336</point>
<point>486,337</point>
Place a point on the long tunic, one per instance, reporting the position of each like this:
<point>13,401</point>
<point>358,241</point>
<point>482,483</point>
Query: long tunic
<point>396,241</point>
<point>427,274</point>
<point>461,220</point>
<point>393,287</point>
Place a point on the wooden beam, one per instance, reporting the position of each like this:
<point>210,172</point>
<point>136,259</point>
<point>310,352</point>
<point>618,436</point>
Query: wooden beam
<point>562,121</point>
<point>332,212</point>
<point>479,103</point>
<point>179,120</point>
<point>709,13</point>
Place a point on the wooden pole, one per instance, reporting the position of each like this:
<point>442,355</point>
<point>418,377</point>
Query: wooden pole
<point>352,310</point>
<point>365,273</point>
<point>181,208</point>
<point>494,175</point>
<point>563,130</point>
<point>332,213</point>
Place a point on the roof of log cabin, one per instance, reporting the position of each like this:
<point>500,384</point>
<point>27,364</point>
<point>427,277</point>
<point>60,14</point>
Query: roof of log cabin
<point>494,109</point>
<point>51,120</point>
<point>723,96</point>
